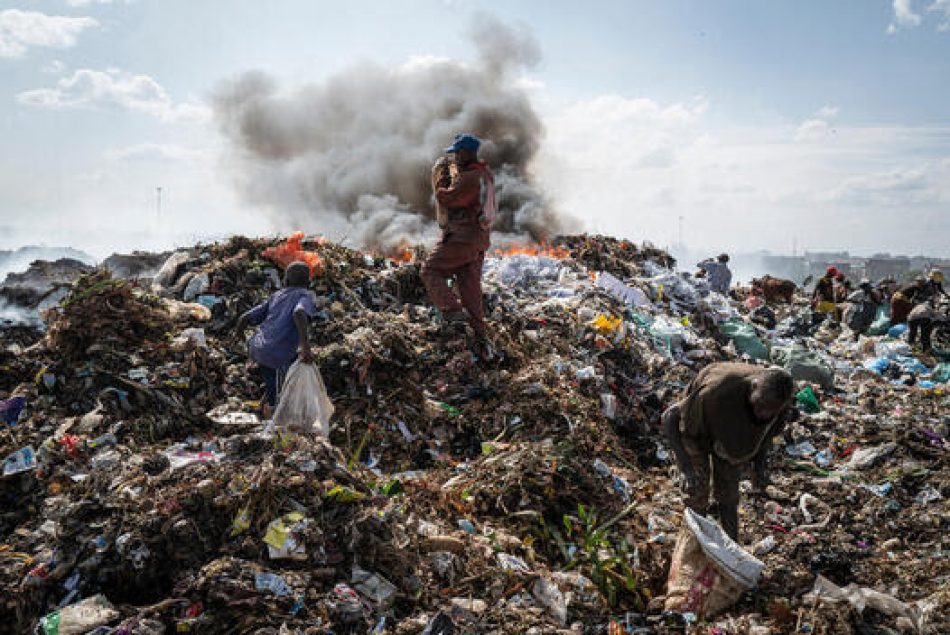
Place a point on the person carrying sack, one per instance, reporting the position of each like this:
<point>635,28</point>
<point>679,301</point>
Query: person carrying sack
<point>284,321</point>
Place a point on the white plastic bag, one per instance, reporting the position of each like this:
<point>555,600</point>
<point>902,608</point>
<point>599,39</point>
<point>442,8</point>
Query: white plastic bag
<point>304,404</point>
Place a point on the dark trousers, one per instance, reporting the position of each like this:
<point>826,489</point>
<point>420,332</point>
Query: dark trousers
<point>273,382</point>
<point>725,487</point>
<point>925,327</point>
<point>463,263</point>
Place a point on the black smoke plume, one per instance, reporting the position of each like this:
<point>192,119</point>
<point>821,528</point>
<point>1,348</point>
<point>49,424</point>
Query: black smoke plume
<point>352,155</point>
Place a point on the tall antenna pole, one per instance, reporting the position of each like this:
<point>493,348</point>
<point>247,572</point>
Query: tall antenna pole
<point>158,202</point>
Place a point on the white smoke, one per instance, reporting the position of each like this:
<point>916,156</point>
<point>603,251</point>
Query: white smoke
<point>355,151</point>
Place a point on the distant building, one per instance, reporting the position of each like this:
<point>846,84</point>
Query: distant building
<point>819,261</point>
<point>878,268</point>
<point>819,267</point>
<point>942,265</point>
<point>792,267</point>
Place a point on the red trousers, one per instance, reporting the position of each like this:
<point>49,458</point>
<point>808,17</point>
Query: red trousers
<point>462,262</point>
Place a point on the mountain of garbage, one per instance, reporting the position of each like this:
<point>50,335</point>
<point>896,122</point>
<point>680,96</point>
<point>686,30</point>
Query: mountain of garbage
<point>529,491</point>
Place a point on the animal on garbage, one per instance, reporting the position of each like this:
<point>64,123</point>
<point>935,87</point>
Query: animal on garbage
<point>775,289</point>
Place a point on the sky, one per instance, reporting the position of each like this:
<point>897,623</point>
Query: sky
<point>732,125</point>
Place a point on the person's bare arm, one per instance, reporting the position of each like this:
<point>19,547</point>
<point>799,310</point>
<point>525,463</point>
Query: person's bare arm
<point>302,322</point>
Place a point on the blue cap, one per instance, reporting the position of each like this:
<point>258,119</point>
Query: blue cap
<point>464,142</point>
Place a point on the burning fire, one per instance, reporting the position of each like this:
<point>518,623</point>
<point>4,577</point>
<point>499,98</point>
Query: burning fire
<point>402,254</point>
<point>292,250</point>
<point>527,249</point>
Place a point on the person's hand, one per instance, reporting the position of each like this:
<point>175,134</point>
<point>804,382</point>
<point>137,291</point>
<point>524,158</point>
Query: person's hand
<point>306,355</point>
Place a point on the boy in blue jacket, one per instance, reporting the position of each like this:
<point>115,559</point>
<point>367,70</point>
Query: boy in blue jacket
<point>284,320</point>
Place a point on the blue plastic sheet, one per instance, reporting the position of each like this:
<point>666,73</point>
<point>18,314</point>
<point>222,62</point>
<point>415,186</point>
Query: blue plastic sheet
<point>897,330</point>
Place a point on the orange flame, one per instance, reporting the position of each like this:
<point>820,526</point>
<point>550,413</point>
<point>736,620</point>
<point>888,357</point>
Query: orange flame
<point>527,249</point>
<point>403,254</point>
<point>292,251</point>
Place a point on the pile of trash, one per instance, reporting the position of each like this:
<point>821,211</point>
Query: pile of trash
<point>525,491</point>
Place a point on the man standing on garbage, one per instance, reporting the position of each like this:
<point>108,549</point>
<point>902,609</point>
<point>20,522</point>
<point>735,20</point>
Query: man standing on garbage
<point>727,418</point>
<point>720,277</point>
<point>823,297</point>
<point>284,321</point>
<point>920,320</point>
<point>469,206</point>
<point>862,308</point>
<point>842,287</point>
<point>919,291</point>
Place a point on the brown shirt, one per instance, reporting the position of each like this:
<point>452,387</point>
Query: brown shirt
<point>462,200</point>
<point>716,416</point>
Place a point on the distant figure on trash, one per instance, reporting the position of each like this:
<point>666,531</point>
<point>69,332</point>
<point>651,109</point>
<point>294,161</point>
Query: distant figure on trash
<point>284,321</point>
<point>823,297</point>
<point>862,308</point>
<point>920,320</point>
<point>718,273</point>
<point>726,419</point>
<point>465,195</point>
<point>919,291</point>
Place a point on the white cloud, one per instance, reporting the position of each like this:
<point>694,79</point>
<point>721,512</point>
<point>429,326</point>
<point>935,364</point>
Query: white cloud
<point>894,187</point>
<point>941,7</point>
<point>56,67</point>
<point>113,88</point>
<point>904,16</point>
<point>812,130</point>
<point>827,112</point>
<point>21,30</point>
<point>86,3</point>
<point>158,152</point>
<point>631,167</point>
<point>817,128</point>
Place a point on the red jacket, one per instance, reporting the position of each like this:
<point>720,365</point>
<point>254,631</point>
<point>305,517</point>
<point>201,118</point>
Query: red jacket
<point>463,200</point>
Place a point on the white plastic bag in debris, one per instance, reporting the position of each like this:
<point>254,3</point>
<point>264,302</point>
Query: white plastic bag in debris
<point>709,571</point>
<point>304,404</point>
<point>670,335</point>
<point>81,617</point>
<point>615,287</point>
<point>170,271</point>
<point>861,598</point>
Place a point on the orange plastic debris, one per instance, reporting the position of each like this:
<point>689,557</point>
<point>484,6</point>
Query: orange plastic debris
<point>292,251</point>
